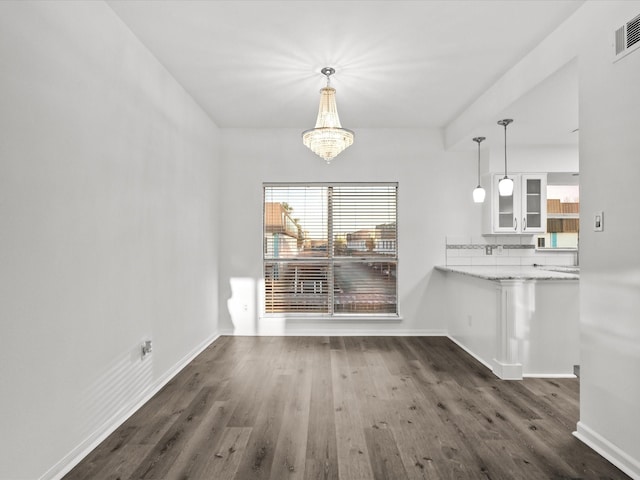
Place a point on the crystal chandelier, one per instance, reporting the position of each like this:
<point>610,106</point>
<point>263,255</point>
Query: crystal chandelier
<point>328,138</point>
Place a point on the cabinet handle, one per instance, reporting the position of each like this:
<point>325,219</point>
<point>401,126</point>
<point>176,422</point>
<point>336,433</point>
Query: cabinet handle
<point>524,223</point>
<point>515,223</point>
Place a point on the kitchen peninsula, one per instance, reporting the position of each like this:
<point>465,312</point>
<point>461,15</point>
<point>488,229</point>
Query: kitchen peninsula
<point>517,320</point>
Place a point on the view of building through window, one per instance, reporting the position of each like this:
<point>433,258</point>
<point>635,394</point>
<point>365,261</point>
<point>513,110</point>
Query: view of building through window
<point>563,217</point>
<point>330,248</point>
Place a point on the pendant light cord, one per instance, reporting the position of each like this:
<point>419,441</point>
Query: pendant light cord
<point>504,123</point>
<point>505,150</point>
<point>478,163</point>
<point>478,140</point>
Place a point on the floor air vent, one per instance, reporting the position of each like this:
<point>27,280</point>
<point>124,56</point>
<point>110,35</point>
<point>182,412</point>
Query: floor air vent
<point>627,38</point>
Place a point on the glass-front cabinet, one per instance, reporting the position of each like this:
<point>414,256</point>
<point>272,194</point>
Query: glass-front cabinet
<point>523,212</point>
<point>534,203</point>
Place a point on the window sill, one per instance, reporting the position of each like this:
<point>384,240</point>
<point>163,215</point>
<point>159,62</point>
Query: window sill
<point>338,318</point>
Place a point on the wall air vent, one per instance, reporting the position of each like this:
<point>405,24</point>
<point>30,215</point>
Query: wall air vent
<point>627,38</point>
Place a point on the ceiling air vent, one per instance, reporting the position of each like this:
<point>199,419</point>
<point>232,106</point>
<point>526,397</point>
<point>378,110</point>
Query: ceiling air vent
<point>627,38</point>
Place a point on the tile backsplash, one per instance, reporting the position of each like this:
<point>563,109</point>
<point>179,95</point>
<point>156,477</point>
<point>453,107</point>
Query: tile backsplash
<point>503,250</point>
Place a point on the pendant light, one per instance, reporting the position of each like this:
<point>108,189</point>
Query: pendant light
<point>328,138</point>
<point>505,186</point>
<point>478,193</point>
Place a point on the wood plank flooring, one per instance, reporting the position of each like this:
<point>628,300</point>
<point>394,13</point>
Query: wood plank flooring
<point>348,408</point>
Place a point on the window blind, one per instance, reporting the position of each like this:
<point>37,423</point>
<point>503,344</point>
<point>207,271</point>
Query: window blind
<point>330,249</point>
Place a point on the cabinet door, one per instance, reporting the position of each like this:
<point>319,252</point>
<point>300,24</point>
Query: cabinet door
<point>506,209</point>
<point>534,204</point>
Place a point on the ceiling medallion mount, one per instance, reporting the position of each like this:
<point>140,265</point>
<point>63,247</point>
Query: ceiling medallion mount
<point>328,71</point>
<point>327,139</point>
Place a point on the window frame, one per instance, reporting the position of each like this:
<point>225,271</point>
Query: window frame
<point>331,259</point>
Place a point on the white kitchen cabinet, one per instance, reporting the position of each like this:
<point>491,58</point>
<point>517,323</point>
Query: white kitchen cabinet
<point>524,212</point>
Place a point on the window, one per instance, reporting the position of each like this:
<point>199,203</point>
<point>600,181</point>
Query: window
<point>563,214</point>
<point>330,249</point>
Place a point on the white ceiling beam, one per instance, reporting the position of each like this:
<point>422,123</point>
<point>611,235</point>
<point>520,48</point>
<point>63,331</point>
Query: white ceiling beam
<point>554,52</point>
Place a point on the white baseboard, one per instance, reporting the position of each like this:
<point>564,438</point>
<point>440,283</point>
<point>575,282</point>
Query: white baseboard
<point>507,371</point>
<point>466,349</point>
<point>329,332</point>
<point>608,450</point>
<point>64,466</point>
<point>549,375</point>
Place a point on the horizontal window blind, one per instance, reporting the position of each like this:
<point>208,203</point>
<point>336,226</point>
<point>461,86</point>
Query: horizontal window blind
<point>364,220</point>
<point>330,248</point>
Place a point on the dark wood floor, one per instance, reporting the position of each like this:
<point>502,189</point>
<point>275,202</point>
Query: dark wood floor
<point>349,408</point>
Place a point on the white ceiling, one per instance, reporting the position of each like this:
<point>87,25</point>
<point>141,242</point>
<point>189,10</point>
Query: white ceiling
<point>546,115</point>
<point>256,64</point>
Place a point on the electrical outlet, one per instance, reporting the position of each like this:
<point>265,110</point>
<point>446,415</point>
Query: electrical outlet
<point>147,348</point>
<point>499,250</point>
<point>488,249</point>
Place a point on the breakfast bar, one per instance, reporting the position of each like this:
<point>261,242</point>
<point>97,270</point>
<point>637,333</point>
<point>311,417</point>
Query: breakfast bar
<point>520,321</point>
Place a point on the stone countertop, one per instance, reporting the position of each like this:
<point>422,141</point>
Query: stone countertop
<point>506,272</point>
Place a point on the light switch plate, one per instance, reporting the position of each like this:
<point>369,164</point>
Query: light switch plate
<point>598,222</point>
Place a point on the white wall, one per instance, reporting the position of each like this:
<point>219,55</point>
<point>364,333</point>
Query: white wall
<point>434,199</point>
<point>610,260</point>
<point>108,215</point>
<point>558,158</point>
<point>472,323</point>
